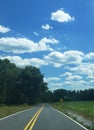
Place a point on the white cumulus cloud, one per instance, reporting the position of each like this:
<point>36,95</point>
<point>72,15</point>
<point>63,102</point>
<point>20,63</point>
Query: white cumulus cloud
<point>4,29</point>
<point>22,62</point>
<point>46,27</point>
<point>59,59</point>
<point>74,77</point>
<point>83,69</point>
<point>73,57</point>
<point>66,74</point>
<point>61,16</point>
<point>24,45</point>
<point>89,56</point>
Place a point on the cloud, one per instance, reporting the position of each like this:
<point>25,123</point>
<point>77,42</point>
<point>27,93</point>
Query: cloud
<point>73,81</point>
<point>73,57</point>
<point>66,74</point>
<point>61,16</point>
<point>59,59</point>
<point>24,45</point>
<point>89,56</point>
<point>90,77</point>
<point>55,58</point>
<point>83,69</point>
<point>78,68</point>
<point>50,79</point>
<point>54,86</point>
<point>22,62</point>
<point>74,77</point>
<point>76,85</point>
<point>46,40</point>
<point>92,82</point>
<point>71,77</point>
<point>35,33</point>
<point>4,29</point>
<point>46,27</point>
<point>37,62</point>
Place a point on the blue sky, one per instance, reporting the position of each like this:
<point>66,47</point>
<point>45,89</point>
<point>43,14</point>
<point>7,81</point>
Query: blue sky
<point>55,36</point>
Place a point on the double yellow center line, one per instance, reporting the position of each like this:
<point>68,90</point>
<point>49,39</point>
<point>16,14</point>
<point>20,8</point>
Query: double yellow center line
<point>33,120</point>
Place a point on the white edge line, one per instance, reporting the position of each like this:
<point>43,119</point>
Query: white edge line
<point>69,118</point>
<point>14,114</point>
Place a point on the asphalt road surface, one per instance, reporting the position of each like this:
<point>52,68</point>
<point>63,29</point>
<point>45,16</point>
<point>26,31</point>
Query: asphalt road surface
<point>41,117</point>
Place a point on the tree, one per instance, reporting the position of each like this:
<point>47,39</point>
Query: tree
<point>31,84</point>
<point>18,86</point>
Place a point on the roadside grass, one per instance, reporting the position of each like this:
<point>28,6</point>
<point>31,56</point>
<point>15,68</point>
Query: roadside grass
<point>7,110</point>
<point>82,108</point>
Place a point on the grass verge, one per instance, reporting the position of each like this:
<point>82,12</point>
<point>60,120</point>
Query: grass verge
<point>7,110</point>
<point>83,108</point>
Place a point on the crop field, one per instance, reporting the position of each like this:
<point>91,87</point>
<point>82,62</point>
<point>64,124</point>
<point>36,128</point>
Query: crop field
<point>7,110</point>
<point>84,108</point>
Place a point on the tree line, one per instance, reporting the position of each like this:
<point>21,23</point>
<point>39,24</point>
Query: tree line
<point>20,85</point>
<point>26,85</point>
<point>68,95</point>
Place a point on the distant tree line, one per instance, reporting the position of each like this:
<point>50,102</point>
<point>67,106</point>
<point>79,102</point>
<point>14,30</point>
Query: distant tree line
<point>68,95</point>
<point>26,85</point>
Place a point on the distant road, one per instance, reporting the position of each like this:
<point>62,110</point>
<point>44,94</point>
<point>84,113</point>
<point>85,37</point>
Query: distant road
<point>41,117</point>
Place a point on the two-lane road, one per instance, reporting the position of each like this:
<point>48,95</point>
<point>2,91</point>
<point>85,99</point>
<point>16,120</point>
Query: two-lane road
<point>41,117</point>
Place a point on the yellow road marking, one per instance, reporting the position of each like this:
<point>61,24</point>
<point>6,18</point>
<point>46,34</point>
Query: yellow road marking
<point>36,119</point>
<point>33,120</point>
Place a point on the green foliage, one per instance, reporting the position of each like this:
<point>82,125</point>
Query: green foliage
<point>26,85</point>
<point>68,95</point>
<point>85,108</point>
<point>19,86</point>
<point>82,108</point>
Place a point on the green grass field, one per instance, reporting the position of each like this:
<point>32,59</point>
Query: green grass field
<point>84,108</point>
<point>7,110</point>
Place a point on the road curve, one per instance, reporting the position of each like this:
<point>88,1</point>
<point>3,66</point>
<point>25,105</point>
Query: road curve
<point>41,117</point>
